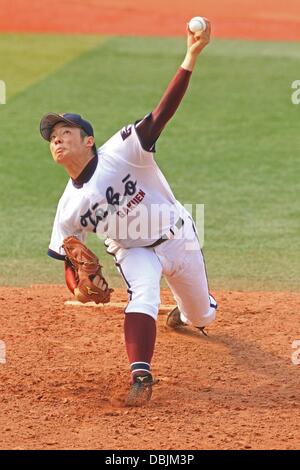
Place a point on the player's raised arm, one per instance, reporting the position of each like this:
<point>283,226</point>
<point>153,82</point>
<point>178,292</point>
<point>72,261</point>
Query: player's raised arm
<point>150,127</point>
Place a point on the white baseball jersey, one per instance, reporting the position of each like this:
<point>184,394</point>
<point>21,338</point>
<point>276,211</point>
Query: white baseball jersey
<point>126,199</point>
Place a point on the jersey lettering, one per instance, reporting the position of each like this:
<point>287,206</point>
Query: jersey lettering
<point>97,214</point>
<point>126,132</point>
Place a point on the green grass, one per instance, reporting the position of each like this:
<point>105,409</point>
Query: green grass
<point>233,145</point>
<point>26,59</point>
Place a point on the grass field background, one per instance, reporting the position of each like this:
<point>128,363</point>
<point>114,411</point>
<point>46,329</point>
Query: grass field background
<point>233,145</point>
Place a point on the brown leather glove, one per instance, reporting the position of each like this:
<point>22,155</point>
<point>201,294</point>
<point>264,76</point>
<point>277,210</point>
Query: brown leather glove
<point>91,285</point>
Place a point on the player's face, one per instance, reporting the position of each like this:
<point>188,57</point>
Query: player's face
<point>65,143</point>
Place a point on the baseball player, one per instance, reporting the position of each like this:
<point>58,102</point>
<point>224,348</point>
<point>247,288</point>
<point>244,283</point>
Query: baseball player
<point>119,193</point>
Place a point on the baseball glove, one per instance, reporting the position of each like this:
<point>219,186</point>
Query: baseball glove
<point>91,285</point>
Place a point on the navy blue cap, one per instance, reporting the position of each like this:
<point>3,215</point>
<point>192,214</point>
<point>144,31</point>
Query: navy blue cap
<point>73,120</point>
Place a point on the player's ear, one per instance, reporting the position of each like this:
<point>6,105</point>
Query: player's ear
<point>89,141</point>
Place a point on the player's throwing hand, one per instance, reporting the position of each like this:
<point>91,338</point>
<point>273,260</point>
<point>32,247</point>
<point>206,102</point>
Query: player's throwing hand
<point>197,41</point>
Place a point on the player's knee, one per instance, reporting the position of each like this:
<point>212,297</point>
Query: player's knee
<point>146,300</point>
<point>209,315</point>
<point>204,314</point>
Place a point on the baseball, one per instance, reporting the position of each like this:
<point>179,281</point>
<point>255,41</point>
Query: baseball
<point>197,24</point>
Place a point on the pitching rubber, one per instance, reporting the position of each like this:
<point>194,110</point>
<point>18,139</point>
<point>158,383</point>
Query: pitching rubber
<point>75,303</point>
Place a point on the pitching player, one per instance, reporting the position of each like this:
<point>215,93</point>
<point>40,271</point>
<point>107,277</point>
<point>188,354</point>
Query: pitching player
<point>117,191</point>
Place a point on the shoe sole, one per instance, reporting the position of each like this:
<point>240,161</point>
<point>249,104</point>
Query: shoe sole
<point>138,396</point>
<point>171,323</point>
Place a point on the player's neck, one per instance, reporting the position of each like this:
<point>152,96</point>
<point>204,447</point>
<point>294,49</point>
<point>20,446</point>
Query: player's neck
<point>76,166</point>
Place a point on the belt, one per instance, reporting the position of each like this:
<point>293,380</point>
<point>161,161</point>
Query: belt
<point>178,225</point>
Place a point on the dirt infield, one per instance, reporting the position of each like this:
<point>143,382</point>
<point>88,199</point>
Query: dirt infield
<point>247,19</point>
<point>66,374</point>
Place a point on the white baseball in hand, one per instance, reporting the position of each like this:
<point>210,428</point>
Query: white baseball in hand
<point>197,24</point>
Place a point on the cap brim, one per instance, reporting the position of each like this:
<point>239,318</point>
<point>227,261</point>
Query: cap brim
<point>49,121</point>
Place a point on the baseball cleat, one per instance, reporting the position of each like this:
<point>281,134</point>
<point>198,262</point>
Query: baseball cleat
<point>174,320</point>
<point>140,390</point>
<point>202,330</point>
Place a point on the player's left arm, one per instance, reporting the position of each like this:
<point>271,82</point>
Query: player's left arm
<point>70,276</point>
<point>152,125</point>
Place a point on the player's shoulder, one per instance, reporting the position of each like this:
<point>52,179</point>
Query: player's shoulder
<point>123,142</point>
<point>125,145</point>
<point>126,131</point>
<point>120,136</point>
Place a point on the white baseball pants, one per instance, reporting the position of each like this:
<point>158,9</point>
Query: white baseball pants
<point>181,262</point>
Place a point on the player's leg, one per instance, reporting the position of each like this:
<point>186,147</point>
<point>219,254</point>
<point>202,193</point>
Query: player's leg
<point>142,272</point>
<point>185,273</point>
<point>190,289</point>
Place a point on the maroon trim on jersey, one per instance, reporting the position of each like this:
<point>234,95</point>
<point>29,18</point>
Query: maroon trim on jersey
<point>86,174</point>
<point>151,126</point>
<point>55,255</point>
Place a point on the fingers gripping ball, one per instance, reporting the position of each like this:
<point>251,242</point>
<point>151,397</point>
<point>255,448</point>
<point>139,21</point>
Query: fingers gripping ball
<point>197,24</point>
<point>91,285</point>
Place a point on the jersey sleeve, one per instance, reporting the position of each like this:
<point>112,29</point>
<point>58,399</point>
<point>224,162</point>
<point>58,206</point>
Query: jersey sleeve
<point>150,128</point>
<point>126,146</point>
<point>60,231</point>
<point>145,133</point>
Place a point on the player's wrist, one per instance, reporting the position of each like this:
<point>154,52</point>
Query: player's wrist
<point>189,61</point>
